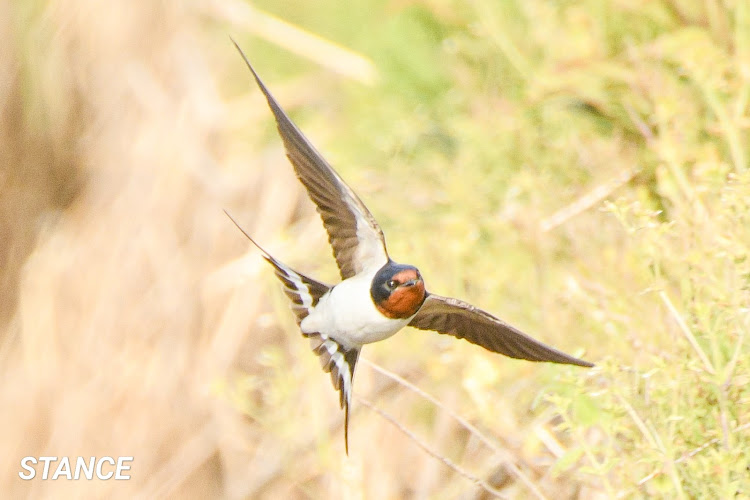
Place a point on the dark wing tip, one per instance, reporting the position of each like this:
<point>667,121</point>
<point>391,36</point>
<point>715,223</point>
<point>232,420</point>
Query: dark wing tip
<point>271,100</point>
<point>583,363</point>
<point>570,360</point>
<point>247,62</point>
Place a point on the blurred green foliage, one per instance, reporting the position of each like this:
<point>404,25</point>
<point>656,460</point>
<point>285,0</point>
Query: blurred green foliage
<point>488,118</point>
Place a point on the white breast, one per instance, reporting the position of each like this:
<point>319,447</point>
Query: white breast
<point>347,314</point>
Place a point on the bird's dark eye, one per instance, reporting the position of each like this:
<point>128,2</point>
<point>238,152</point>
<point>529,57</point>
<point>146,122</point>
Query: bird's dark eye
<point>392,283</point>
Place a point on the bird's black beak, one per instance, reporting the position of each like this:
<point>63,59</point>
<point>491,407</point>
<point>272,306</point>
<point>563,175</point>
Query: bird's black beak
<point>411,282</point>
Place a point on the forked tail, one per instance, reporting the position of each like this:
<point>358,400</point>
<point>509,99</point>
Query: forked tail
<point>335,359</point>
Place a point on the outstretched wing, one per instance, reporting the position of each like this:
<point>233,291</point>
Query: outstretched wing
<point>354,235</point>
<point>464,321</point>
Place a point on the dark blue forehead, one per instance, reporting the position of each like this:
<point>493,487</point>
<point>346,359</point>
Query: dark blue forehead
<point>379,289</point>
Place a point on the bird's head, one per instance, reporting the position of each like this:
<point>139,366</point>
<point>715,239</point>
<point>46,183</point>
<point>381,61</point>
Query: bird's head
<point>398,290</point>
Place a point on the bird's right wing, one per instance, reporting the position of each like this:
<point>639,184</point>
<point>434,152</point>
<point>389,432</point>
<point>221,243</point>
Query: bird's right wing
<point>354,234</point>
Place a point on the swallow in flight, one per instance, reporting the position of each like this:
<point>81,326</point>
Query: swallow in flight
<point>377,297</point>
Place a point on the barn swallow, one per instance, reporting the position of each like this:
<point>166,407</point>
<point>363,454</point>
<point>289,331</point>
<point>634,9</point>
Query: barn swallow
<point>377,297</point>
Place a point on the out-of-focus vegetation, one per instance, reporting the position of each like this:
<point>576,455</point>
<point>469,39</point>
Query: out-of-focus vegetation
<point>579,168</point>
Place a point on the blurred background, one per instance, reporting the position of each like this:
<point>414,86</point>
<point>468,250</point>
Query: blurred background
<point>579,168</point>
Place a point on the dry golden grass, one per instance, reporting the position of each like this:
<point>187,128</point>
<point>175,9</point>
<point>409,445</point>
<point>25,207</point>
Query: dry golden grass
<point>116,319</point>
<point>134,323</point>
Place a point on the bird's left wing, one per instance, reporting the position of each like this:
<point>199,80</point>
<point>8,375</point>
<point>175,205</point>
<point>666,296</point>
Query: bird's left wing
<point>464,321</point>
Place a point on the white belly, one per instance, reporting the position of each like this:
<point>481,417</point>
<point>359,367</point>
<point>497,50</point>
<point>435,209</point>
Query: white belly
<point>348,315</point>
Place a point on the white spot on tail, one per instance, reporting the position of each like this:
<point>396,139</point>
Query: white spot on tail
<point>331,347</point>
<point>300,287</point>
<point>344,373</point>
